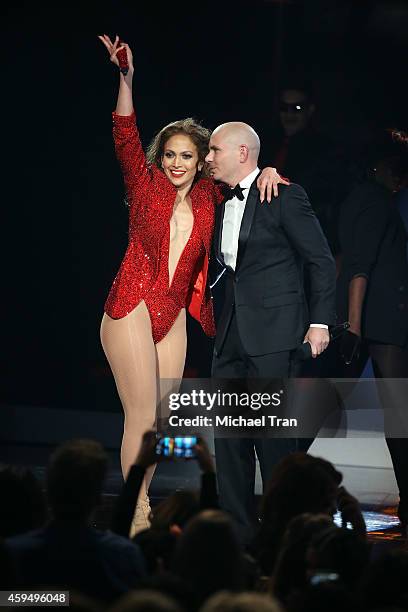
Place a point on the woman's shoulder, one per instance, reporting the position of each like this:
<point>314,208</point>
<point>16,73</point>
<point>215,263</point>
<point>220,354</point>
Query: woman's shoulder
<point>212,190</point>
<point>203,189</point>
<point>159,178</point>
<point>366,196</point>
<point>371,189</point>
<point>205,184</point>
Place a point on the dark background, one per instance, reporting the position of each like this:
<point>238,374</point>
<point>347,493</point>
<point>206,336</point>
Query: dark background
<point>63,218</point>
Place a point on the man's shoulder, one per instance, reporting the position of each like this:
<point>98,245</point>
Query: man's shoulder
<point>286,190</point>
<point>294,189</point>
<point>294,201</point>
<point>292,193</point>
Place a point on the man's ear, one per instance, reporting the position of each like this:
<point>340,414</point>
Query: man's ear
<point>243,153</point>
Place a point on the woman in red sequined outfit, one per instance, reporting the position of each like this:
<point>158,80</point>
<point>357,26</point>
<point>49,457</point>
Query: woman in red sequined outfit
<point>164,271</point>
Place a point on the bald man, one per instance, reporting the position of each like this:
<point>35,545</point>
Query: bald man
<point>262,249</point>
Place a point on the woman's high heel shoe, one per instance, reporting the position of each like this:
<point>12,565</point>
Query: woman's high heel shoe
<point>141,518</point>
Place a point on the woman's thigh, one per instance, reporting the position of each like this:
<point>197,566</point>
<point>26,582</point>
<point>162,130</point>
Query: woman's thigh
<point>129,348</point>
<point>171,356</point>
<point>171,351</point>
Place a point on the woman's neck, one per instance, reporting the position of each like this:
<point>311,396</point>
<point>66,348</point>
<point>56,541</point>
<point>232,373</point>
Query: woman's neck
<point>183,192</point>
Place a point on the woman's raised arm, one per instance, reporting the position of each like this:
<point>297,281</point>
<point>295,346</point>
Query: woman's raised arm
<point>128,147</point>
<point>124,105</point>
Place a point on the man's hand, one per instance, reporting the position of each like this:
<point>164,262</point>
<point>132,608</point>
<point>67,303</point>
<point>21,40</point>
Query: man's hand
<point>204,458</point>
<point>318,339</point>
<point>147,453</point>
<point>267,180</point>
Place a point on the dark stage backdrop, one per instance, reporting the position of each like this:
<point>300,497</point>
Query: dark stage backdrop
<point>64,221</point>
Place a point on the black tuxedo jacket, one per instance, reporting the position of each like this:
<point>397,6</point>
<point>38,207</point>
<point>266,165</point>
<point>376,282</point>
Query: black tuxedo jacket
<point>275,242</point>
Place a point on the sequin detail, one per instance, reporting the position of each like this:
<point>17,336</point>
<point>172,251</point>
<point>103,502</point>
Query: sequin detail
<point>151,197</point>
<point>164,302</point>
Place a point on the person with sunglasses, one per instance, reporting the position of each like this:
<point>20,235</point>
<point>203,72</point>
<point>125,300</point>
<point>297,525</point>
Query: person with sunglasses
<point>311,159</point>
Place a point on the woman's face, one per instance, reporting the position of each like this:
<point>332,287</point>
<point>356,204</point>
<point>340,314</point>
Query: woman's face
<point>180,160</point>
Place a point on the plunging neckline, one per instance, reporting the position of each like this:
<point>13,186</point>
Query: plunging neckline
<point>170,282</point>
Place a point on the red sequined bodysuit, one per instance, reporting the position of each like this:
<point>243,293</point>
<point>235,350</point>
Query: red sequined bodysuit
<point>164,302</point>
<point>143,273</point>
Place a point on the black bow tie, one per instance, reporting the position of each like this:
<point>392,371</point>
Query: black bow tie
<point>237,192</point>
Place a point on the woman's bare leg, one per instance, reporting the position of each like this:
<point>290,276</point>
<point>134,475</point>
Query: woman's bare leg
<point>171,357</point>
<point>131,353</point>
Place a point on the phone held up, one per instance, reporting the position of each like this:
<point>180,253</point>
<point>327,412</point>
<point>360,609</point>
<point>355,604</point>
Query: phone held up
<point>320,577</point>
<point>123,61</point>
<point>180,447</point>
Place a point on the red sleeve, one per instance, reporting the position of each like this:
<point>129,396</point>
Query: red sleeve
<point>130,154</point>
<point>218,194</point>
<point>213,190</point>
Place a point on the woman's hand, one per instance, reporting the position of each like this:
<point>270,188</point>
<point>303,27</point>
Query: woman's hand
<point>268,179</point>
<point>114,47</point>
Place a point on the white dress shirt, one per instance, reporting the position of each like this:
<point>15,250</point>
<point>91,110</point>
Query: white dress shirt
<point>234,211</point>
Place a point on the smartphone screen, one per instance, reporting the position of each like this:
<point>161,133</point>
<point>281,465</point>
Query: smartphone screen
<point>324,577</point>
<point>178,447</point>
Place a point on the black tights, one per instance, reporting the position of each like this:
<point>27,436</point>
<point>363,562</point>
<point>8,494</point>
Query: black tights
<point>391,361</point>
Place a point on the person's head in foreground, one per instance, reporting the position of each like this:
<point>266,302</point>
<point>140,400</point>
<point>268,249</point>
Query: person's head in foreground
<point>208,555</point>
<point>75,479</point>
<point>145,600</point>
<point>299,483</point>
<point>241,602</point>
<point>23,506</point>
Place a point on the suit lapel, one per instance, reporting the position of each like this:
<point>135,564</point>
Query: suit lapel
<point>219,218</point>
<point>246,223</point>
